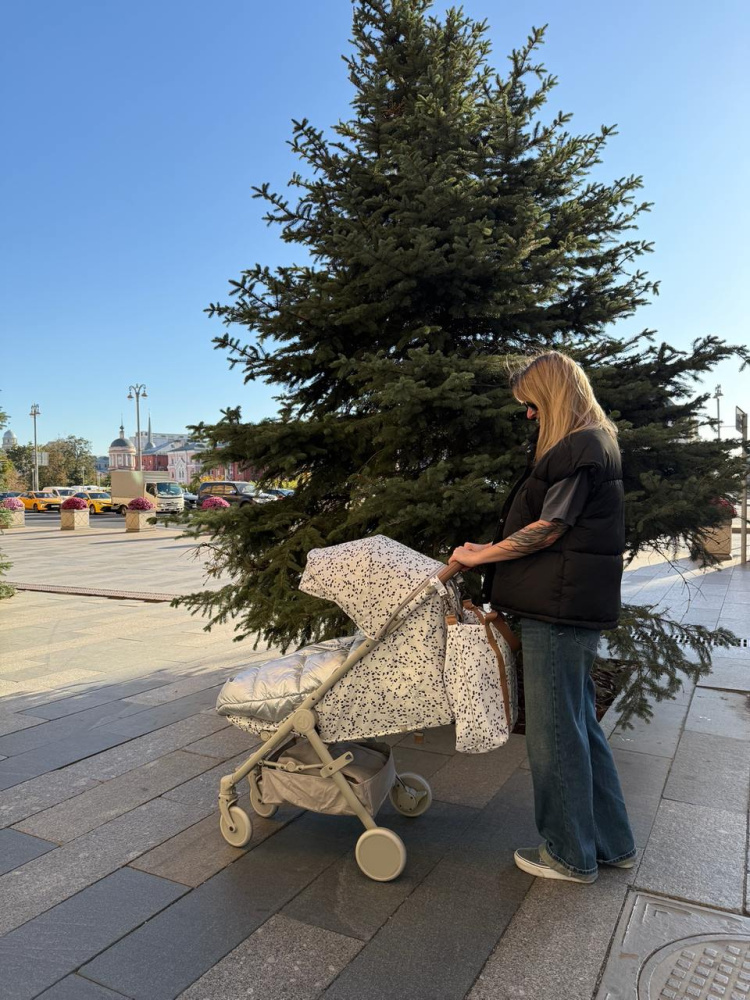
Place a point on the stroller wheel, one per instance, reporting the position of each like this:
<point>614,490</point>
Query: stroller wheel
<point>243,828</point>
<point>259,806</point>
<point>411,795</point>
<point>380,854</point>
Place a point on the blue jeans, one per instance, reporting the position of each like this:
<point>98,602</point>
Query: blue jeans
<point>578,801</point>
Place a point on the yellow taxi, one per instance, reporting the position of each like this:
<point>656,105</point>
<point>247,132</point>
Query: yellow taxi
<point>40,501</point>
<point>98,502</point>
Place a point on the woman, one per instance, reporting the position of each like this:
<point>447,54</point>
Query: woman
<point>556,563</point>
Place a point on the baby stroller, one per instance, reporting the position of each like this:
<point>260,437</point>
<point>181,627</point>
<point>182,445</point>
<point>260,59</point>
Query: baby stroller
<point>319,718</point>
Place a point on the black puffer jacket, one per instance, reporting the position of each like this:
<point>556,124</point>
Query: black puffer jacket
<point>576,581</point>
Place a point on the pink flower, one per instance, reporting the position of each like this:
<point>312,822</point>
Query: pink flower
<point>727,507</point>
<point>141,503</point>
<point>74,503</point>
<point>212,503</point>
<point>12,503</point>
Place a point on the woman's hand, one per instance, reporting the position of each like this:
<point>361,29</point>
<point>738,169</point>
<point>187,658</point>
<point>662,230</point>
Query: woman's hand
<point>468,557</point>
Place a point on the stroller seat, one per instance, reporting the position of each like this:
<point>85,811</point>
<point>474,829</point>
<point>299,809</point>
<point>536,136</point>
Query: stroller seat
<point>269,692</point>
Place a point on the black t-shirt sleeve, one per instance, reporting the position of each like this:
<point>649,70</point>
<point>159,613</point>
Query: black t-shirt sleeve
<point>565,500</point>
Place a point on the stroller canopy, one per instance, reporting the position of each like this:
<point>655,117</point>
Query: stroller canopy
<point>368,579</point>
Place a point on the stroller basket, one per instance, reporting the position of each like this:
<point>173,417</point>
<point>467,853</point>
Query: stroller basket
<point>292,775</point>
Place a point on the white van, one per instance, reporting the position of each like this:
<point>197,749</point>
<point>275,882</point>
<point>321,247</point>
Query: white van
<point>60,491</point>
<point>157,486</point>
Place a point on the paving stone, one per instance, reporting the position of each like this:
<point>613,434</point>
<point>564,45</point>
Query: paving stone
<point>710,771</point>
<point>52,756</point>
<point>128,755</point>
<point>99,805</point>
<point>154,718</point>
<point>199,852</point>
<point>472,780</point>
<point>282,959</point>
<point>41,884</point>
<point>181,688</point>
<point>40,793</point>
<point>101,696</point>
<point>341,900</point>
<point>656,935</point>
<point>642,777</point>
<point>162,958</point>
<point>696,853</point>
<point>422,762</point>
<point>728,673</point>
<point>659,736</point>
<point>204,789</point>
<point>78,988</point>
<point>226,743</point>
<point>17,848</point>
<point>441,739</point>
<point>53,945</point>
<point>720,713</point>
<point>434,945</point>
<point>13,722</point>
<point>556,942</point>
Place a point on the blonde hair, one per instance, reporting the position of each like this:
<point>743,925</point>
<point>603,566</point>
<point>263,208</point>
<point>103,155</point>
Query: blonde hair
<point>562,394</point>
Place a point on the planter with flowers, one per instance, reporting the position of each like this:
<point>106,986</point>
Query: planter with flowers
<point>140,515</point>
<point>214,503</point>
<point>14,513</point>
<point>719,539</point>
<point>74,514</point>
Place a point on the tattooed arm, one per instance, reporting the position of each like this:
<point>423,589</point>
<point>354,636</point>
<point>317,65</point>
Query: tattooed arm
<point>533,538</point>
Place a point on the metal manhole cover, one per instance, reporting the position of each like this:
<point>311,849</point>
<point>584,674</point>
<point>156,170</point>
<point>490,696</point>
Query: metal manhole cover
<point>665,949</point>
<point>696,968</point>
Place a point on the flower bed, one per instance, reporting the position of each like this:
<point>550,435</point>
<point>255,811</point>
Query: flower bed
<point>214,503</point>
<point>141,503</point>
<point>74,503</point>
<point>13,503</point>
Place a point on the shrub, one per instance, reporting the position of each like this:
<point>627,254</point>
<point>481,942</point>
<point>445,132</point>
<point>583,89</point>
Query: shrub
<point>213,503</point>
<point>74,503</point>
<point>141,503</point>
<point>12,503</point>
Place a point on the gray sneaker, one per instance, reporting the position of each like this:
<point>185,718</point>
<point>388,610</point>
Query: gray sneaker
<point>529,859</point>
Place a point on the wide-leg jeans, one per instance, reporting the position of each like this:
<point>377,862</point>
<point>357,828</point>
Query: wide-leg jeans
<point>579,805</point>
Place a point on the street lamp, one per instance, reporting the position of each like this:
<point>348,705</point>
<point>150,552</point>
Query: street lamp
<point>140,392</point>
<point>717,396</point>
<point>35,411</point>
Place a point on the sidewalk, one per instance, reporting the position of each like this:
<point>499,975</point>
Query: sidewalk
<point>116,882</point>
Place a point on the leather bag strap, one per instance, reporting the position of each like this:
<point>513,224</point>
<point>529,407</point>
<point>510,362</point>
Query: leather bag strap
<point>488,620</point>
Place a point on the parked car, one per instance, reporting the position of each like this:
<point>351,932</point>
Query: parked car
<point>40,501</point>
<point>60,491</point>
<point>279,493</point>
<point>191,499</point>
<point>98,502</point>
<point>232,492</point>
<point>9,493</point>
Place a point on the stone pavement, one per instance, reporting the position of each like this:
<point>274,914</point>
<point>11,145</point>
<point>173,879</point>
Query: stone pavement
<point>115,881</point>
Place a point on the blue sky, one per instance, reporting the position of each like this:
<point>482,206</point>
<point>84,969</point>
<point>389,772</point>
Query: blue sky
<point>133,133</point>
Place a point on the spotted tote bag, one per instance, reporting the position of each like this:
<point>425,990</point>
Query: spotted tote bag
<point>480,678</point>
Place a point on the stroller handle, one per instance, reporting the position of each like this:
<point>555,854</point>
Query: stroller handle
<point>449,571</point>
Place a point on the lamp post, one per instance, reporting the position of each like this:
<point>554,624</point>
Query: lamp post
<point>35,411</point>
<point>717,396</point>
<point>137,392</point>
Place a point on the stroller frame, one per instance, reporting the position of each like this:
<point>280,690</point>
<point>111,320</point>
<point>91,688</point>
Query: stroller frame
<point>380,852</point>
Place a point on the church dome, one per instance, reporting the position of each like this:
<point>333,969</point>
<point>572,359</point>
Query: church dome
<point>122,442</point>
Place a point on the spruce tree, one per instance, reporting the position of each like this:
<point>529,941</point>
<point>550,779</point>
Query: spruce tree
<point>449,224</point>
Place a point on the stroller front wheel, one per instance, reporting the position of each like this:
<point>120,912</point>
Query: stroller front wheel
<point>260,807</point>
<point>411,795</point>
<point>380,854</point>
<point>241,831</point>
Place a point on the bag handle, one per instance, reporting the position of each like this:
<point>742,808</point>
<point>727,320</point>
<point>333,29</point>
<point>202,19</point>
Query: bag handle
<point>500,624</point>
<point>488,620</point>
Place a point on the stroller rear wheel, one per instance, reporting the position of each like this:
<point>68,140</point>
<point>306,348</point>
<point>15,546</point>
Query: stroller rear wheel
<point>380,854</point>
<point>411,795</point>
<point>242,831</point>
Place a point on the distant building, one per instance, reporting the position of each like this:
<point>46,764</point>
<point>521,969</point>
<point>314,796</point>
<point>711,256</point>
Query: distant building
<point>102,465</point>
<point>9,440</point>
<point>121,452</point>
